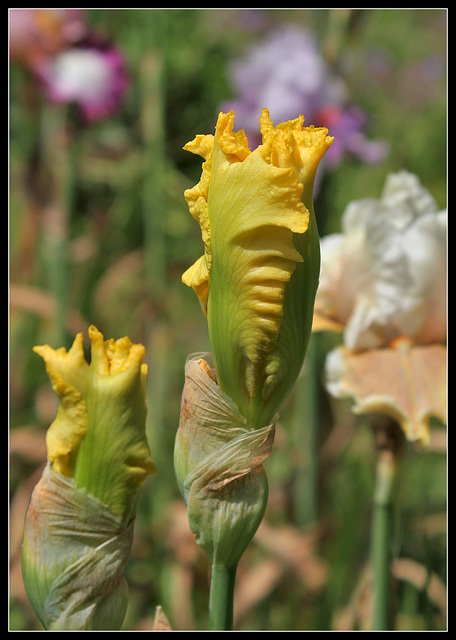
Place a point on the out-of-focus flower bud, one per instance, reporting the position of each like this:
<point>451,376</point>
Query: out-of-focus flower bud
<point>79,525</point>
<point>384,276</point>
<point>383,283</point>
<point>91,74</point>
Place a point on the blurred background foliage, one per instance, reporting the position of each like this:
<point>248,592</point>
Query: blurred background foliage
<point>117,253</point>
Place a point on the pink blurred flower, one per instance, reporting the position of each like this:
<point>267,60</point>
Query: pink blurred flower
<point>70,63</point>
<point>346,125</point>
<point>91,74</point>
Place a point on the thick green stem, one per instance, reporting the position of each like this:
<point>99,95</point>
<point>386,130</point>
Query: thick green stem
<point>390,441</point>
<point>61,151</point>
<point>221,597</point>
<point>381,540</point>
<point>152,115</point>
<point>305,426</point>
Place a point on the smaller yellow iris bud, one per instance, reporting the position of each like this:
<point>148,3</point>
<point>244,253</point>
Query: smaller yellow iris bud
<point>79,525</point>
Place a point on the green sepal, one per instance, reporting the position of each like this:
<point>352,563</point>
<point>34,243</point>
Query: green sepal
<point>218,462</point>
<point>74,555</point>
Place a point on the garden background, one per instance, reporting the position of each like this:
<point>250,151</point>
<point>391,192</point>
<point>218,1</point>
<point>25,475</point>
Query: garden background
<point>102,218</point>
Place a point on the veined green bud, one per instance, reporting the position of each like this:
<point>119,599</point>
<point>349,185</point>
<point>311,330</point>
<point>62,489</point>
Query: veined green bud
<point>79,525</point>
<point>74,556</point>
<point>258,276</point>
<point>218,463</point>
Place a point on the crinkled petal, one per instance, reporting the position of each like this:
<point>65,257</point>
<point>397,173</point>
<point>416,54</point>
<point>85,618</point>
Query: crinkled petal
<point>406,383</point>
<point>385,276</point>
<point>68,373</point>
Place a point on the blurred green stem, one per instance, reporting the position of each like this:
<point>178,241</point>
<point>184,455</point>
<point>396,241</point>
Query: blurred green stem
<point>389,441</point>
<point>152,78</point>
<point>305,425</point>
<point>221,598</point>
<point>61,149</point>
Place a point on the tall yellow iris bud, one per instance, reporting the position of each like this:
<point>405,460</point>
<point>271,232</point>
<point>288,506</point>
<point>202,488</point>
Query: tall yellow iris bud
<point>256,283</point>
<point>79,525</point>
<point>258,276</point>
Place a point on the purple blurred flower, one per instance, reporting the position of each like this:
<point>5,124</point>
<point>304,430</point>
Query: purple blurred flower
<point>90,74</point>
<point>287,74</point>
<point>346,125</point>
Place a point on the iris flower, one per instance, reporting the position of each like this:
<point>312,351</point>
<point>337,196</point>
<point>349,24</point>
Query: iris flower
<point>271,72</point>
<point>71,63</point>
<point>90,74</point>
<point>383,284</point>
<point>384,276</point>
<point>258,276</point>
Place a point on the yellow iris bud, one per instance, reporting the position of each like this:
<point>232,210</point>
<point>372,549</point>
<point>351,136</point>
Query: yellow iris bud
<point>258,276</point>
<point>79,525</point>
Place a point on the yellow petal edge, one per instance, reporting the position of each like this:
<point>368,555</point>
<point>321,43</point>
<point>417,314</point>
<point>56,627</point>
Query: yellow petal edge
<point>72,378</point>
<point>289,146</point>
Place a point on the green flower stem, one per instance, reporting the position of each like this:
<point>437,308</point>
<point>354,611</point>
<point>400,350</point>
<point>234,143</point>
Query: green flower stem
<point>381,542</point>
<point>389,441</point>
<point>62,154</point>
<point>152,77</point>
<point>221,597</point>
<point>152,114</point>
<point>305,426</point>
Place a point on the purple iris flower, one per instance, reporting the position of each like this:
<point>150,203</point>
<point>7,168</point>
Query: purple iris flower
<point>287,74</point>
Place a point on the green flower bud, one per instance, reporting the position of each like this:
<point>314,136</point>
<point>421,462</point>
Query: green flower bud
<point>79,525</point>
<point>217,459</point>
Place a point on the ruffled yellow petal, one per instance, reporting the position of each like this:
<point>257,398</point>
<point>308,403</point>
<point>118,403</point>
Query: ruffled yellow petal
<point>198,275</point>
<point>250,206</point>
<point>67,372</point>
<point>292,145</point>
<point>255,207</point>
